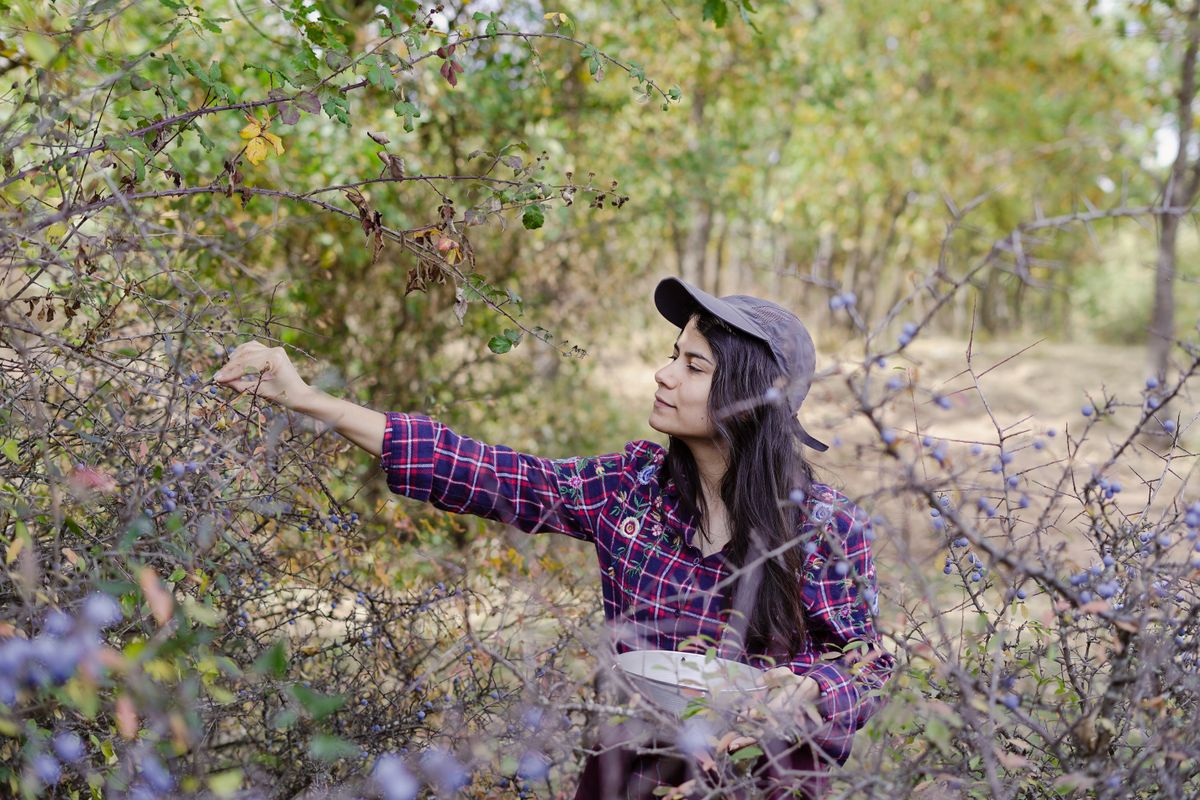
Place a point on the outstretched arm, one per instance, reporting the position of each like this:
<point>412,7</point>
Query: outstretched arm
<point>359,424</point>
<point>427,461</point>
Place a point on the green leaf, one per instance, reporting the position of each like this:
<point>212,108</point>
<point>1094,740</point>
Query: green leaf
<point>379,75</point>
<point>746,753</point>
<point>226,784</point>
<point>717,12</point>
<point>409,112</point>
<point>533,217</point>
<point>325,747</point>
<point>11,450</point>
<point>316,704</point>
<point>273,661</point>
<point>285,719</point>
<point>499,345</point>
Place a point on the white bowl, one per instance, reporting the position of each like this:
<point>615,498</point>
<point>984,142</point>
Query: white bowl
<point>671,680</point>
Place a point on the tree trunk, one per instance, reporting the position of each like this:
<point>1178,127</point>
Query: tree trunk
<point>1178,195</point>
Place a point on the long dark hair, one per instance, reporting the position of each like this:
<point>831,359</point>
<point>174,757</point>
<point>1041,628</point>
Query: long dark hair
<point>766,468</point>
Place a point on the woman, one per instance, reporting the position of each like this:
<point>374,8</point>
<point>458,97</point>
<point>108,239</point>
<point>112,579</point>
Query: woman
<point>724,534</point>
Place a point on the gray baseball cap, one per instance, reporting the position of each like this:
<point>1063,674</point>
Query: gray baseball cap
<point>770,323</point>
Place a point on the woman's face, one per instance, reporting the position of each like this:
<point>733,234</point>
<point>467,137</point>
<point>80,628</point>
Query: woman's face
<point>681,402</point>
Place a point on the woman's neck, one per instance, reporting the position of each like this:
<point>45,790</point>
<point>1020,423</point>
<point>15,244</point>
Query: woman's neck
<point>711,464</point>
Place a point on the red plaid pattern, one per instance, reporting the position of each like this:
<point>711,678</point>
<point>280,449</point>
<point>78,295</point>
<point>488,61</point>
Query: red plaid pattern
<point>659,591</point>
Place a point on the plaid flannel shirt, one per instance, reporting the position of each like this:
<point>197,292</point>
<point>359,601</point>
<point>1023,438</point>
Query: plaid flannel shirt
<point>659,590</point>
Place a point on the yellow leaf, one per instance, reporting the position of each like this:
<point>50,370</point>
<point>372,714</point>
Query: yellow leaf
<point>41,49</point>
<point>275,141</point>
<point>14,549</point>
<point>256,150</point>
<point>251,131</point>
<point>161,603</point>
<point>127,719</point>
<point>226,784</point>
<point>454,256</point>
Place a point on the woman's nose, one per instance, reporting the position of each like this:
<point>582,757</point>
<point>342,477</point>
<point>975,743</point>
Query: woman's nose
<point>663,376</point>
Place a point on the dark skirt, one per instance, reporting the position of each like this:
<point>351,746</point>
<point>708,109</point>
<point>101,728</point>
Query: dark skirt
<point>616,770</point>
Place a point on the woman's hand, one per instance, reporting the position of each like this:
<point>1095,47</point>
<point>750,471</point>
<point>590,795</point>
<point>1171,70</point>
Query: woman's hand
<point>264,371</point>
<point>790,697</point>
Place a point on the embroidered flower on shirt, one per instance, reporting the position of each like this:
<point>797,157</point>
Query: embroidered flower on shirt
<point>572,486</point>
<point>629,526</point>
<point>646,474</point>
<point>822,512</point>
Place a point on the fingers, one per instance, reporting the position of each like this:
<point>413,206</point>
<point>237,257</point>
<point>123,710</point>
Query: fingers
<point>252,360</point>
<point>779,676</point>
<point>740,742</point>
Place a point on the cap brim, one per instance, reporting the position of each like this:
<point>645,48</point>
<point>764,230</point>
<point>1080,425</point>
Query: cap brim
<point>677,301</point>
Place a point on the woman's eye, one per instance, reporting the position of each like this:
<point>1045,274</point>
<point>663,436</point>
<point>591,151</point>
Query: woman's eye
<point>691,367</point>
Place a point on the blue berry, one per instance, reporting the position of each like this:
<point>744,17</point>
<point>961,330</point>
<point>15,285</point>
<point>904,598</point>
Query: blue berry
<point>1087,411</point>
<point>947,569</point>
<point>155,774</point>
<point>47,768</point>
<point>101,611</point>
<point>1010,700</point>
<point>888,436</point>
<point>1020,594</point>
<point>1151,383</point>
<point>68,746</point>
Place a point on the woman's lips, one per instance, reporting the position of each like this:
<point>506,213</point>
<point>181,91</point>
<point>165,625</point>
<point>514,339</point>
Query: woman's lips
<point>658,401</point>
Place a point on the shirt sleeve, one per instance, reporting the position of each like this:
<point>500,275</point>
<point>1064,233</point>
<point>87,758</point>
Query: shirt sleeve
<point>427,461</point>
<point>841,609</point>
